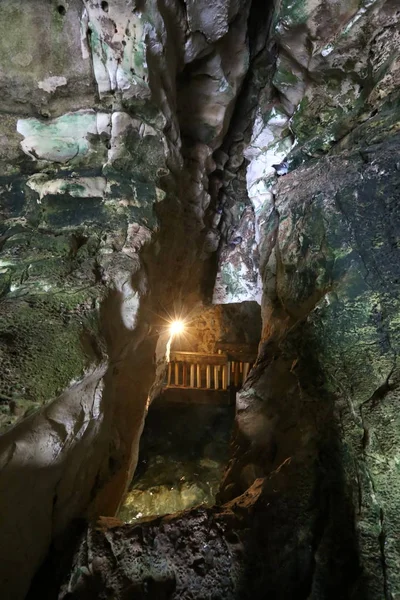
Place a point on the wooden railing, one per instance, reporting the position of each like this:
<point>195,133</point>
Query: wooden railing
<point>197,371</point>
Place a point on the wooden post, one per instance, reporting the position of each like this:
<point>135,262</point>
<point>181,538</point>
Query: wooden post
<point>184,377</point>
<point>191,376</point>
<point>225,370</point>
<point>176,382</point>
<point>169,374</point>
<point>228,374</point>
<point>237,374</point>
<point>216,377</point>
<point>198,376</point>
<point>208,377</point>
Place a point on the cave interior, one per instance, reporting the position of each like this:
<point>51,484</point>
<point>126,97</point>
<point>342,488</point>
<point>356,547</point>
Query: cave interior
<point>199,299</point>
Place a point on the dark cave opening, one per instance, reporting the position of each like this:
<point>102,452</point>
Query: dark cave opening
<point>185,445</point>
<point>183,453</point>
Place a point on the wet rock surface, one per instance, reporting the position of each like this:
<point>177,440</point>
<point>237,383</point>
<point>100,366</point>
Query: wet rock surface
<point>155,156</point>
<point>183,454</point>
<point>99,191</point>
<point>325,387</point>
<point>198,554</point>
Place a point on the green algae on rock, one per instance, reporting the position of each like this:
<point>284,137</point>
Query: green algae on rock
<point>136,140</point>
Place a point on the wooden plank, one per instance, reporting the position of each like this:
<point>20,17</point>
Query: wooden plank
<point>237,374</point>
<point>199,358</point>
<point>169,374</point>
<point>206,371</point>
<point>198,369</point>
<point>225,370</point>
<point>216,378</point>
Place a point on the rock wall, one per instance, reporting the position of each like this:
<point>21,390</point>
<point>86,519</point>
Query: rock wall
<point>323,394</point>
<point>320,403</point>
<point>238,323</point>
<point>124,171</point>
<point>103,182</point>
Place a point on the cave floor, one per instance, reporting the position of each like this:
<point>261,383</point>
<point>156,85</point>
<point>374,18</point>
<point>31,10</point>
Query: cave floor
<point>183,454</point>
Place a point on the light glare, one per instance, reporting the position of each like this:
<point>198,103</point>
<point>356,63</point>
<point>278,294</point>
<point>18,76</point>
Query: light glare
<point>176,327</point>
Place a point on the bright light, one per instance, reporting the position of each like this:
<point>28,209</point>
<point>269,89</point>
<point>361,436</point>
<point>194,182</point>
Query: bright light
<point>176,327</point>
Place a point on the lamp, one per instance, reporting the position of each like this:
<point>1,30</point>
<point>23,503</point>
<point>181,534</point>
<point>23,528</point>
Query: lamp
<point>176,327</point>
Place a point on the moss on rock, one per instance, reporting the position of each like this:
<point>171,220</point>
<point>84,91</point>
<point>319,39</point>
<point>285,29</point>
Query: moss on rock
<point>43,347</point>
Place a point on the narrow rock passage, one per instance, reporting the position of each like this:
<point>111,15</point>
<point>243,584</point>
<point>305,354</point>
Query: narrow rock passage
<point>185,445</point>
<point>165,153</point>
<point>183,454</point>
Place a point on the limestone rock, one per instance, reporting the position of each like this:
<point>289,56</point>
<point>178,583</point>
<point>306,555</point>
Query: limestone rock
<point>96,173</point>
<point>137,138</point>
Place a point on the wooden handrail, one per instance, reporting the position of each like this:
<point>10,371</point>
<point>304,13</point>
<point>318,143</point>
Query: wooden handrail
<point>198,358</point>
<point>201,371</point>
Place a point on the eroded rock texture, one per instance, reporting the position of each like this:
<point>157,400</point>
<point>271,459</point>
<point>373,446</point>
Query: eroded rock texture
<point>202,553</point>
<point>325,390</point>
<point>103,196</point>
<point>141,148</point>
